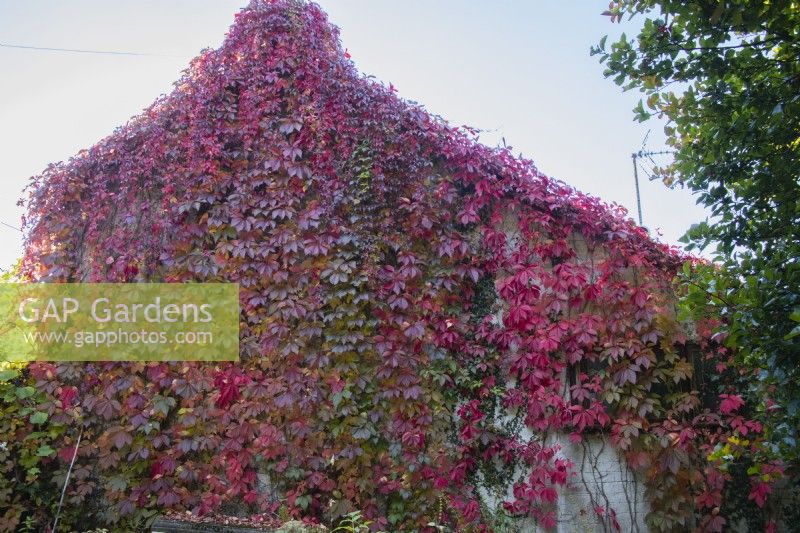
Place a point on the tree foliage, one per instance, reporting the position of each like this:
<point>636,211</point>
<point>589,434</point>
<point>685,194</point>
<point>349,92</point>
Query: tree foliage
<point>726,76</point>
<point>420,313</point>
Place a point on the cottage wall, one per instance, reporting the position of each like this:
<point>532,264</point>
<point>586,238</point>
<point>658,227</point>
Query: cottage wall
<point>602,482</point>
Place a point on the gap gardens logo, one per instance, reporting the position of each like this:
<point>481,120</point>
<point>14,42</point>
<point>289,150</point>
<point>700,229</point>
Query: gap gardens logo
<point>119,322</point>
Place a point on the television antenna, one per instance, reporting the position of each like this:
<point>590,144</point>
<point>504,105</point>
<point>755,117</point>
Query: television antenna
<point>635,156</point>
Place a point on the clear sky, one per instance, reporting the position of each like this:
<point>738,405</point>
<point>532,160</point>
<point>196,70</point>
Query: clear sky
<point>519,70</point>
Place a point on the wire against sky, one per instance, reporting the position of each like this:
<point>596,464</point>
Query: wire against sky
<point>9,226</point>
<point>79,51</point>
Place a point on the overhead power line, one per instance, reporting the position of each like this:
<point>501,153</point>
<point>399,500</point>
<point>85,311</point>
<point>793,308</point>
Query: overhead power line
<point>10,226</point>
<point>80,51</point>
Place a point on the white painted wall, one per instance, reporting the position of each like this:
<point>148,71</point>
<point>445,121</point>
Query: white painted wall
<point>603,479</point>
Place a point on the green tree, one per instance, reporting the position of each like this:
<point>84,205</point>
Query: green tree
<point>725,75</point>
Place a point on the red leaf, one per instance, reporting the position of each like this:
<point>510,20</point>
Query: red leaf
<point>759,493</point>
<point>730,403</point>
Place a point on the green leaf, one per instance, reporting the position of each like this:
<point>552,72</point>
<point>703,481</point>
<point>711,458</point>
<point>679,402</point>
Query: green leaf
<point>8,374</point>
<point>38,417</point>
<point>303,501</point>
<point>25,392</point>
<point>792,334</point>
<point>117,483</point>
<point>45,451</point>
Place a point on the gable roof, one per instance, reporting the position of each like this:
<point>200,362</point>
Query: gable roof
<point>281,96</point>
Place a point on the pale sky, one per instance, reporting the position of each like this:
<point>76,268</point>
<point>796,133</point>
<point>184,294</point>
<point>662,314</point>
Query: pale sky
<point>519,70</point>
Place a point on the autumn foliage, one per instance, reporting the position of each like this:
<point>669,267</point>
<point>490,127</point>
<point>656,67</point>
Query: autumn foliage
<point>414,305</point>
